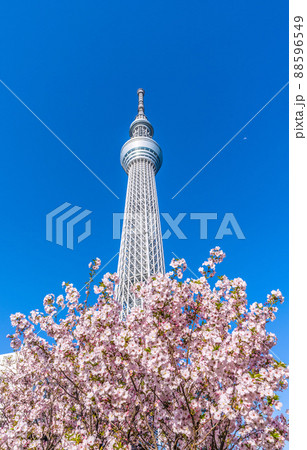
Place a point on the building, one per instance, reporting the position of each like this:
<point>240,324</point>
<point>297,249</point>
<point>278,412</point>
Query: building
<point>141,250</point>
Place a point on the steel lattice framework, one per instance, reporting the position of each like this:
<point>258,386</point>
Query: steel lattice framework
<point>141,250</point>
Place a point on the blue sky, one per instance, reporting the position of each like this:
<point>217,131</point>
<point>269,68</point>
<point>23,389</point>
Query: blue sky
<point>207,68</point>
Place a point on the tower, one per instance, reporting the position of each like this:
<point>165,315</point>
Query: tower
<point>141,251</point>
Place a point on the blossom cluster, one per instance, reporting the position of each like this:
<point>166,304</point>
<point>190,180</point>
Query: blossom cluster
<point>216,257</point>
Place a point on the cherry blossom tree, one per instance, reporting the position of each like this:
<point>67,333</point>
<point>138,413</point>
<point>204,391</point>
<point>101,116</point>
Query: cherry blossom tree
<point>192,369</point>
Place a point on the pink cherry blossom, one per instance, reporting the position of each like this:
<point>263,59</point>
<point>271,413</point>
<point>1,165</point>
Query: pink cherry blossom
<point>191,369</point>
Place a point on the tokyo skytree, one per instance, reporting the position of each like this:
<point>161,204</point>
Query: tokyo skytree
<point>141,251</point>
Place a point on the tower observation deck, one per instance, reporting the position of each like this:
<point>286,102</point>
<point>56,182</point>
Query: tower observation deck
<point>141,251</point>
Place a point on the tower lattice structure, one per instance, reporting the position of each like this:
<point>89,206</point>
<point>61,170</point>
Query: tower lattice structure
<point>141,251</point>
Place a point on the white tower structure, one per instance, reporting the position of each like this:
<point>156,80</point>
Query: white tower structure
<point>141,251</point>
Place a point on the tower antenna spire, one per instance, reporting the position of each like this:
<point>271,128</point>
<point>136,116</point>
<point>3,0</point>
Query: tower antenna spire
<point>141,125</point>
<point>141,109</point>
